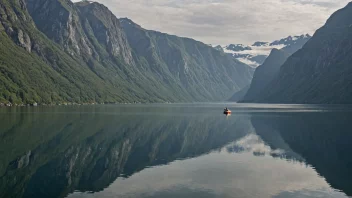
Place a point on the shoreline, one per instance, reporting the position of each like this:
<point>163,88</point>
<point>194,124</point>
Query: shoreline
<point>4,105</point>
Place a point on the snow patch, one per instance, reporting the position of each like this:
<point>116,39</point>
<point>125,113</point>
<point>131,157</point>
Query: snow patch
<point>248,62</point>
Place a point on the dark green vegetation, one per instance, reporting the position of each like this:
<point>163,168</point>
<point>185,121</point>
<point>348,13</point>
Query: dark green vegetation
<point>37,69</point>
<point>57,52</point>
<point>321,71</point>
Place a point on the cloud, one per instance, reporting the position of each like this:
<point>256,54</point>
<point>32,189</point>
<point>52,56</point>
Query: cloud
<point>228,21</point>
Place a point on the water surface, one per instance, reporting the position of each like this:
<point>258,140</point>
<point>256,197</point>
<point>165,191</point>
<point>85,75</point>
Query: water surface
<point>176,150</point>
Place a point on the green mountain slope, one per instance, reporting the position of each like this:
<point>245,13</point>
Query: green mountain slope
<point>39,70</point>
<point>35,69</point>
<point>56,52</point>
<point>192,67</point>
<point>91,33</point>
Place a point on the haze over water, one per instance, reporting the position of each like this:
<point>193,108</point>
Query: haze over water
<point>177,150</point>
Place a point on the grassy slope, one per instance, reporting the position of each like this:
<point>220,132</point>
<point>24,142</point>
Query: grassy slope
<point>52,76</point>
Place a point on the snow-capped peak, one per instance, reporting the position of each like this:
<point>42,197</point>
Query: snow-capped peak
<point>289,40</point>
<point>256,54</point>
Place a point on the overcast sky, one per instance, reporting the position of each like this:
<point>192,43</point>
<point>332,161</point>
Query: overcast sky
<point>228,21</point>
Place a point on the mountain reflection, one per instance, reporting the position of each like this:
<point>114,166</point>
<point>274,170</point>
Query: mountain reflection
<point>53,154</point>
<point>322,140</point>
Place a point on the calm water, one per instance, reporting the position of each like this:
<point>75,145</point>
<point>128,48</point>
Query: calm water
<point>183,150</point>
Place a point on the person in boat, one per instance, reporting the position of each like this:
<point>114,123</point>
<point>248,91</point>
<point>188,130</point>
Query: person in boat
<point>226,109</point>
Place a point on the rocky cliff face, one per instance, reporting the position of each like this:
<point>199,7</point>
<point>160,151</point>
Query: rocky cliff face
<point>11,22</point>
<point>84,29</point>
<point>35,69</point>
<point>59,21</point>
<point>321,71</point>
<point>98,19</point>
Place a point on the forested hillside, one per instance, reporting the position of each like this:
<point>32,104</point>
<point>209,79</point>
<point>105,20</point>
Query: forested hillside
<point>60,52</point>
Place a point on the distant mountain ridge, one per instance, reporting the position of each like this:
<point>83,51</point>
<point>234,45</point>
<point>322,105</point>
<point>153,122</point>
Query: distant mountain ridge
<point>290,40</point>
<point>238,47</point>
<point>256,54</point>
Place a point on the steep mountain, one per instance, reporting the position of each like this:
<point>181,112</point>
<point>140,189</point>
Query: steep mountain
<point>92,28</point>
<point>185,63</point>
<point>321,71</point>
<point>256,54</point>
<point>265,73</point>
<point>35,69</point>
<point>57,52</point>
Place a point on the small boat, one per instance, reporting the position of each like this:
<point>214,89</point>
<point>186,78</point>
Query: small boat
<point>227,112</point>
